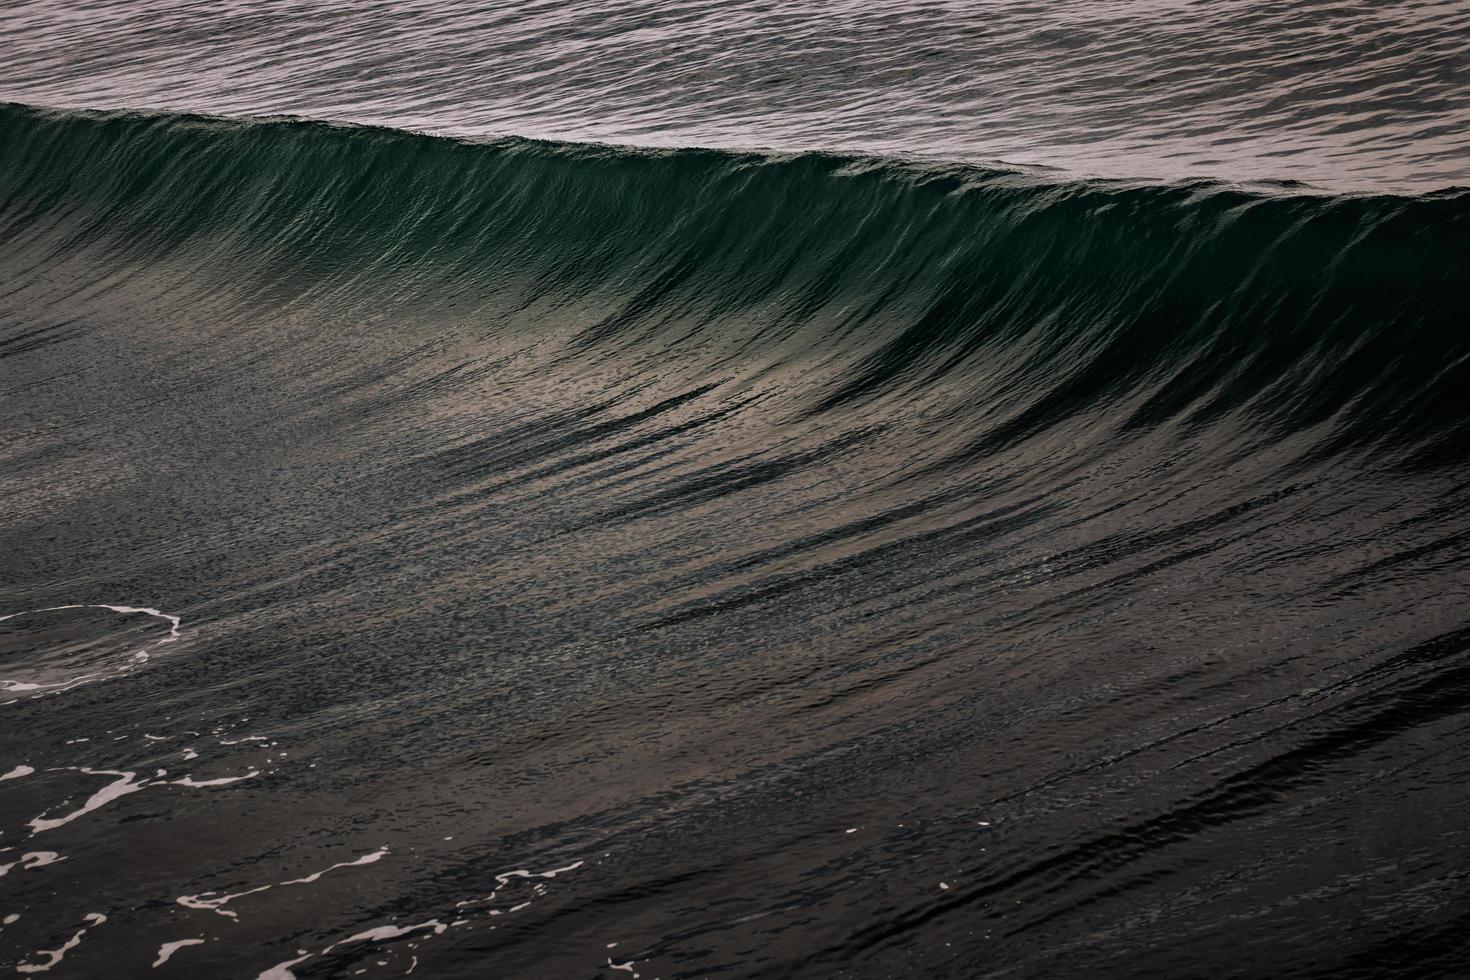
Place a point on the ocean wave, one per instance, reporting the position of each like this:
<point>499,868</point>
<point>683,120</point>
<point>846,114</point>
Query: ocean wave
<point>1015,552</point>
<point>1025,298</point>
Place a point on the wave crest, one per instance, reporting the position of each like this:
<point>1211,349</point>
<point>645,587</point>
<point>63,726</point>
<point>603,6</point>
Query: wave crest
<point>1021,300</point>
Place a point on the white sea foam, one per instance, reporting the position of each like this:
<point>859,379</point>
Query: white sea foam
<point>504,878</point>
<point>32,859</point>
<point>204,904</point>
<point>380,933</point>
<point>371,858</point>
<point>173,621</point>
<point>221,781</point>
<point>169,949</point>
<point>17,773</point>
<point>214,902</point>
<point>282,971</point>
<point>139,656</point>
<point>54,956</point>
<point>125,784</point>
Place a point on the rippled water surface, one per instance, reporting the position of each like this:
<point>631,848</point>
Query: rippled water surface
<point>1350,96</point>
<point>685,490</point>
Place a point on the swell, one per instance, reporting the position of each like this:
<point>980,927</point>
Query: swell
<point>919,489</point>
<point>1023,300</point>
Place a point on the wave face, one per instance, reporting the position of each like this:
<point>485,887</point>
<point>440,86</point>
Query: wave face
<point>583,559</point>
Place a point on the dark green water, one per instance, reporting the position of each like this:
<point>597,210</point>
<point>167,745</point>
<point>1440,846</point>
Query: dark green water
<point>484,556</point>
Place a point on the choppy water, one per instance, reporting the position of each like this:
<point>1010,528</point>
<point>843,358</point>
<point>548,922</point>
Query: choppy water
<point>453,546</point>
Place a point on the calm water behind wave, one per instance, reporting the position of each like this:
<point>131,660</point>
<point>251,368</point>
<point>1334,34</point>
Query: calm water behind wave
<point>1349,96</point>
<point>484,555</point>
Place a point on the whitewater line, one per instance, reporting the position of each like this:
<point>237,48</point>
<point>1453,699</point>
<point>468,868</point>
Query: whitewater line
<point>54,956</point>
<point>173,621</point>
<point>141,654</point>
<point>204,903</point>
<point>125,784</point>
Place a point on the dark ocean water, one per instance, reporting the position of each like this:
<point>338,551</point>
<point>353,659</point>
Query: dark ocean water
<point>746,489</point>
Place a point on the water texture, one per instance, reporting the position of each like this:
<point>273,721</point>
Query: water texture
<point>1344,95</point>
<point>747,490</point>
